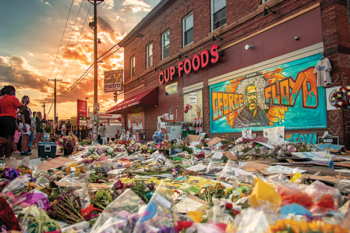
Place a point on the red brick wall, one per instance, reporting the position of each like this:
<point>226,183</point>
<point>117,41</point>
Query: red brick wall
<point>335,35</point>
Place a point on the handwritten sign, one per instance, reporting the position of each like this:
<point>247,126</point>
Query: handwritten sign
<point>214,141</point>
<point>193,98</point>
<point>191,138</point>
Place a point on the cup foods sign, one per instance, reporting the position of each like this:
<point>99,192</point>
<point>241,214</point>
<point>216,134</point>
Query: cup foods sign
<point>198,61</point>
<point>113,80</point>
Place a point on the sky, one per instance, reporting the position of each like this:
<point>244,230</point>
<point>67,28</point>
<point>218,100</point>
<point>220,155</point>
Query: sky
<point>37,43</point>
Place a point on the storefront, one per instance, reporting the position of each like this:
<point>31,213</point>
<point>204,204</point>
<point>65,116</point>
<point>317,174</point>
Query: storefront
<point>133,110</point>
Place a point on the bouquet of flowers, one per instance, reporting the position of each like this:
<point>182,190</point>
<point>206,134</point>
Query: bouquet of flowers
<point>341,98</point>
<point>67,142</point>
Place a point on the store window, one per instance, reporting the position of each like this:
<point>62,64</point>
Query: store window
<point>193,109</point>
<point>166,44</point>
<point>149,52</point>
<point>171,89</point>
<point>218,17</point>
<point>132,66</point>
<point>188,30</point>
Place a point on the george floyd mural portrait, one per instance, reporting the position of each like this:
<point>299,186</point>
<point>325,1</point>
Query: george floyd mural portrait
<point>284,95</point>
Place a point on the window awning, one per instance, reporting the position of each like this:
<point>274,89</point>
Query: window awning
<point>147,97</point>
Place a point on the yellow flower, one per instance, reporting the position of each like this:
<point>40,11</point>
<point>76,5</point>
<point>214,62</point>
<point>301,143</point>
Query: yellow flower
<point>295,177</point>
<point>31,184</point>
<point>196,216</point>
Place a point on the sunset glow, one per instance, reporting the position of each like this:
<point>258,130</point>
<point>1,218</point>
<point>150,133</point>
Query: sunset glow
<point>29,45</point>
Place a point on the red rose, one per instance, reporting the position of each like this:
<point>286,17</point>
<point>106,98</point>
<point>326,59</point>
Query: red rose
<point>235,212</point>
<point>229,206</point>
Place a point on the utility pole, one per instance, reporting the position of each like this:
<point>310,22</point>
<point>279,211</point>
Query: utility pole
<point>54,97</point>
<point>94,25</point>
<point>44,110</point>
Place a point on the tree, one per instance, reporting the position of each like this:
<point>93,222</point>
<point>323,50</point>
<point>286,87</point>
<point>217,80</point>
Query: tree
<point>73,121</point>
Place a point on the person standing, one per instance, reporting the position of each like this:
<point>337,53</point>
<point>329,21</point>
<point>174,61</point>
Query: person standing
<point>34,132</point>
<point>39,128</point>
<point>25,126</point>
<point>16,139</point>
<point>8,114</point>
<point>63,128</point>
<point>101,133</point>
<point>68,127</point>
<point>83,133</point>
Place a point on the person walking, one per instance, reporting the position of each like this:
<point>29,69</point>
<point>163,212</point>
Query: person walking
<point>39,127</point>
<point>8,114</point>
<point>25,126</point>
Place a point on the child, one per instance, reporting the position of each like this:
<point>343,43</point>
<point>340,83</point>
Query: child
<point>15,140</point>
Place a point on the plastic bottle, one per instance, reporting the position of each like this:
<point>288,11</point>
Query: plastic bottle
<point>331,163</point>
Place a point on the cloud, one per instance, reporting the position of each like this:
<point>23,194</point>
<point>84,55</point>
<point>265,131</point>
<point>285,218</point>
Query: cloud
<point>14,70</point>
<point>105,26</point>
<point>30,54</point>
<point>135,6</point>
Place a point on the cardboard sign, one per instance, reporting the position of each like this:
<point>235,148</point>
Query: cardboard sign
<point>191,138</point>
<point>54,163</point>
<point>229,155</point>
<point>137,136</point>
<point>255,165</point>
<point>214,141</point>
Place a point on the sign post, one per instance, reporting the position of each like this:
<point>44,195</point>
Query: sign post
<point>81,111</point>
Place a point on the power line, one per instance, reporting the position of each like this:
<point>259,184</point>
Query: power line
<point>61,38</point>
<point>86,73</point>
<point>70,36</point>
<point>77,42</point>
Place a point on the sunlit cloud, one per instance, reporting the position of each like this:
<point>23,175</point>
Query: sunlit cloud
<point>136,6</point>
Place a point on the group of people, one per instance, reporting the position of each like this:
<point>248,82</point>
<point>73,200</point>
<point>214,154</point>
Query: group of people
<point>18,123</point>
<point>67,129</point>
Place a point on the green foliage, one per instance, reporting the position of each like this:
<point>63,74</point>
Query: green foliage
<point>48,129</point>
<point>102,199</point>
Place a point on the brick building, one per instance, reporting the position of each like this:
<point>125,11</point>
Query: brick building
<point>259,73</point>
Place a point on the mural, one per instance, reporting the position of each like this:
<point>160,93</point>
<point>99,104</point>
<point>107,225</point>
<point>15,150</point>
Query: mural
<point>310,138</point>
<point>285,95</point>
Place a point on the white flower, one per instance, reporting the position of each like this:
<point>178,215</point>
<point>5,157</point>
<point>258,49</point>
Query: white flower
<point>110,151</point>
<point>339,95</point>
<point>333,98</point>
<point>348,87</point>
<point>340,103</point>
<point>343,90</point>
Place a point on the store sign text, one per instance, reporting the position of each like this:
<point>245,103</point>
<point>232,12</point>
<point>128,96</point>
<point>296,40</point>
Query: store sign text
<point>197,62</point>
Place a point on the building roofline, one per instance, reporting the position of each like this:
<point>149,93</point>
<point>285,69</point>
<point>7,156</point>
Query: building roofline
<point>141,25</point>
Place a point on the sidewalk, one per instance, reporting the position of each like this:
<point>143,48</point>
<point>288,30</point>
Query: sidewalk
<point>34,155</point>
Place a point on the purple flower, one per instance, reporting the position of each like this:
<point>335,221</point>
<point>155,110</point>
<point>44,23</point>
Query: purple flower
<point>166,229</point>
<point>88,217</point>
<point>131,185</point>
